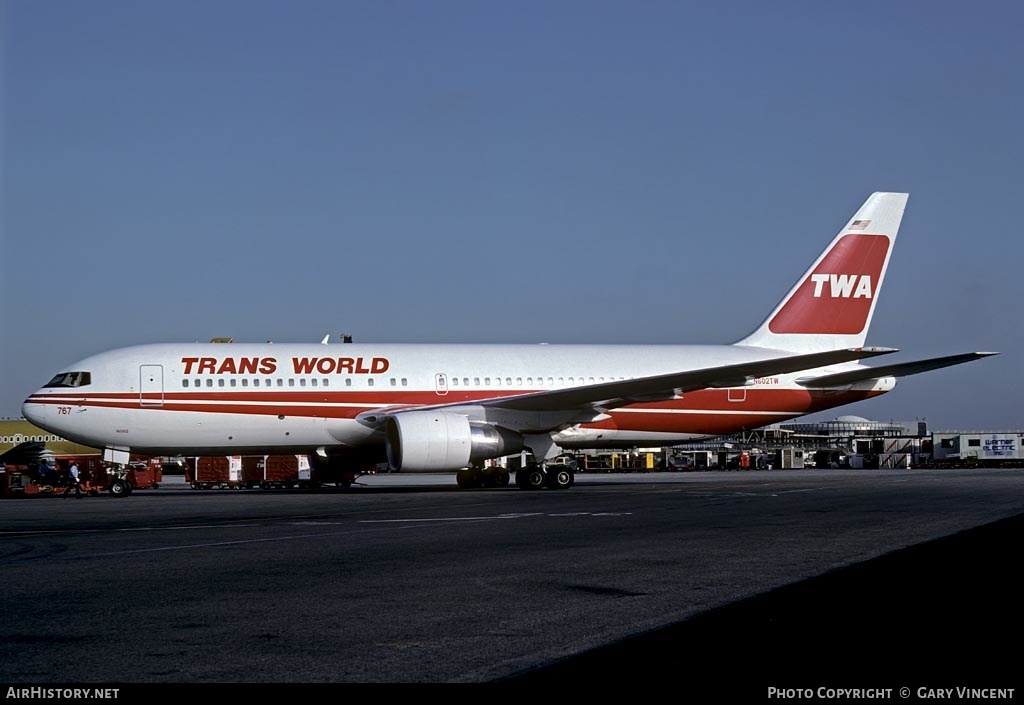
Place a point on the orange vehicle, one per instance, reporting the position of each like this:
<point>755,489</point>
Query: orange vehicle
<point>95,477</point>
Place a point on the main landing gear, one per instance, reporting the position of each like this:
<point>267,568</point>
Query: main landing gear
<point>537,477</point>
<point>482,477</point>
<point>531,477</point>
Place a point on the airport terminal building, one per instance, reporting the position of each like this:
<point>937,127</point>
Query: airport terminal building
<point>855,442</point>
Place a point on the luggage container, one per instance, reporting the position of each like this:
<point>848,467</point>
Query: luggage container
<point>287,471</point>
<point>215,471</point>
<point>252,470</point>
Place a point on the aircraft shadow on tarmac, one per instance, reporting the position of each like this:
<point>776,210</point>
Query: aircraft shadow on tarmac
<point>929,613</point>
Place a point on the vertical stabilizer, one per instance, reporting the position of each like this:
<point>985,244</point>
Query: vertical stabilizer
<point>831,305</point>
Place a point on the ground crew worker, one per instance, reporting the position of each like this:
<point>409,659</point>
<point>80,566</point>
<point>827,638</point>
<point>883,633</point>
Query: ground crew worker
<point>73,474</point>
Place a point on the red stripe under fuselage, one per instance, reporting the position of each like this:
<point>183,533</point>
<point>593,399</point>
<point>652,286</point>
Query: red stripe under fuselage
<point>708,411</point>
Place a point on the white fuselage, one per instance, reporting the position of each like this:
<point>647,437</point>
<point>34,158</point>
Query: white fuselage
<point>248,398</point>
<point>254,398</point>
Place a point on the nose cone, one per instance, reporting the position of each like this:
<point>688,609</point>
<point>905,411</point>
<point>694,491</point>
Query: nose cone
<point>32,411</point>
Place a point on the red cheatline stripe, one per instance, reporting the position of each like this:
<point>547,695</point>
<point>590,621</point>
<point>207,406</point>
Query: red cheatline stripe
<point>766,403</point>
<point>305,396</point>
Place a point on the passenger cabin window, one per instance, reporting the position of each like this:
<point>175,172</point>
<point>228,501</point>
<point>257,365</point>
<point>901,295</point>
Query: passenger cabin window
<point>70,379</point>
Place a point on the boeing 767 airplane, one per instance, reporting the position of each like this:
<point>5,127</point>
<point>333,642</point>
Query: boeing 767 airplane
<point>437,408</point>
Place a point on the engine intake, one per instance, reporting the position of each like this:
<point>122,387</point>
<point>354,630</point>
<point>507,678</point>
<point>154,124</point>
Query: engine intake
<point>419,441</point>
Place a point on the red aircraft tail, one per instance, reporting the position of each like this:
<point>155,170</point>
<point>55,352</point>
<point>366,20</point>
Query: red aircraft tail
<point>830,307</point>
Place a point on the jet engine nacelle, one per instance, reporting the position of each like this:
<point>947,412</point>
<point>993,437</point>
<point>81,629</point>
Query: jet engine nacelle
<point>422,441</point>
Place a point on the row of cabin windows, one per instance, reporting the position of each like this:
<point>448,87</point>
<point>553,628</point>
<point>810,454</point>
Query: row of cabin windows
<point>281,382</point>
<point>394,382</point>
<point>35,439</point>
<point>552,381</point>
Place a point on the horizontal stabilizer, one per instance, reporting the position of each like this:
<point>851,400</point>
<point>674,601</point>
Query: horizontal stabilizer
<point>902,369</point>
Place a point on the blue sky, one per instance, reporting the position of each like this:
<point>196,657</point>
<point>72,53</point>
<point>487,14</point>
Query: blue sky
<point>483,171</point>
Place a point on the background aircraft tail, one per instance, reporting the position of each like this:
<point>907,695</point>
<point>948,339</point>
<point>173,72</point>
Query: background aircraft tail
<point>831,305</point>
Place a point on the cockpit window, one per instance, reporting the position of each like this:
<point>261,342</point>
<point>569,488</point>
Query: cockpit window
<point>70,379</point>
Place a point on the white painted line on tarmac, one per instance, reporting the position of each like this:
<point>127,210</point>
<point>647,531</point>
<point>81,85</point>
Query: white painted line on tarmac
<point>491,518</point>
<point>220,544</point>
<point>444,519</point>
<point>58,532</point>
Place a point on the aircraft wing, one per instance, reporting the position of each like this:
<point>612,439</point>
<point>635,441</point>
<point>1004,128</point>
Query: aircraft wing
<point>611,395</point>
<point>902,369</point>
<point>558,407</point>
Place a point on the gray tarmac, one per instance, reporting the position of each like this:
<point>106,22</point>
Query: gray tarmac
<point>406,579</point>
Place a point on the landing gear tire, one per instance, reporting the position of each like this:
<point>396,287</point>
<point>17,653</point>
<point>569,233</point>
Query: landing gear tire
<point>492,477</point>
<point>468,478</point>
<point>120,488</point>
<point>532,478</point>
<point>521,478</point>
<point>560,479</point>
